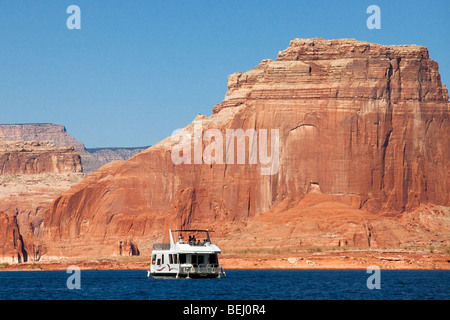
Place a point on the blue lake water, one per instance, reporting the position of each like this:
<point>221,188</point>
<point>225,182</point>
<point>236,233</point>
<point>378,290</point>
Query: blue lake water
<point>237,285</point>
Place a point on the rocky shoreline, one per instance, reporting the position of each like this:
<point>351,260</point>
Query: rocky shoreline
<point>394,259</point>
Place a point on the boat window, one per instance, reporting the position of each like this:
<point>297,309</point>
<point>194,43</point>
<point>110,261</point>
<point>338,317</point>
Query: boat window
<point>213,258</point>
<point>182,258</point>
<point>194,259</point>
<point>153,258</point>
<point>175,259</point>
<point>162,259</point>
<point>201,259</point>
<point>170,258</point>
<point>158,262</point>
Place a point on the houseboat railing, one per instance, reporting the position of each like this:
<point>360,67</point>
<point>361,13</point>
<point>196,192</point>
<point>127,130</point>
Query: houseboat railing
<point>161,246</point>
<point>166,246</point>
<point>203,268</point>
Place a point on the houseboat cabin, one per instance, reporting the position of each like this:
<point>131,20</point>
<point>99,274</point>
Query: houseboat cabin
<point>193,255</point>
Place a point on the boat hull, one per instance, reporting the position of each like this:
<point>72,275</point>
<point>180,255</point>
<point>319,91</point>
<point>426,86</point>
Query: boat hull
<point>186,275</point>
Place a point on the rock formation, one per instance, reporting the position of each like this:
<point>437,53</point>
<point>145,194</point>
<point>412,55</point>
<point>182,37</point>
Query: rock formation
<point>363,145</point>
<point>92,159</point>
<point>54,133</point>
<point>32,174</point>
<point>25,198</point>
<point>33,157</point>
<point>98,157</point>
<point>11,244</point>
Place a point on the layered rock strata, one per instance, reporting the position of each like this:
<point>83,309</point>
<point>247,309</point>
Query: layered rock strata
<point>33,157</point>
<point>56,134</point>
<point>11,247</point>
<point>365,126</point>
<point>32,174</point>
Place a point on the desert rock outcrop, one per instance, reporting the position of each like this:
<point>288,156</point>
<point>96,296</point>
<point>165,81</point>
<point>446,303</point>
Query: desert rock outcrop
<point>92,159</point>
<point>362,127</point>
<point>32,174</point>
<point>33,157</point>
<point>11,246</point>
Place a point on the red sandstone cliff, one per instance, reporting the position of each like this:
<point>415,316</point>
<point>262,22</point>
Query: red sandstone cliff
<point>32,174</point>
<point>56,134</point>
<point>32,157</point>
<point>11,244</point>
<point>363,149</point>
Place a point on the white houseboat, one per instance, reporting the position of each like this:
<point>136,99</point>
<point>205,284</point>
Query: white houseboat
<point>192,256</point>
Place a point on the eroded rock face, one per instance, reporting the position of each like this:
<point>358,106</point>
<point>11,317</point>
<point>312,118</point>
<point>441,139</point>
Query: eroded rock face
<point>56,134</point>
<point>32,174</point>
<point>32,157</point>
<point>363,123</point>
<point>128,248</point>
<point>355,117</point>
<point>53,133</point>
<point>11,246</point>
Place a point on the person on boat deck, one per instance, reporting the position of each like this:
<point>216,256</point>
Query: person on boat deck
<point>193,239</point>
<point>180,239</point>
<point>190,239</point>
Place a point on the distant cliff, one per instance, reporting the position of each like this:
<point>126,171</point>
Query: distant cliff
<point>38,162</point>
<point>32,173</point>
<point>92,159</point>
<point>54,133</point>
<point>34,157</point>
<point>98,157</point>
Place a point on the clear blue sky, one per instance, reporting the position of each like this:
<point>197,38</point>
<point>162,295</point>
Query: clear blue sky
<point>139,69</point>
